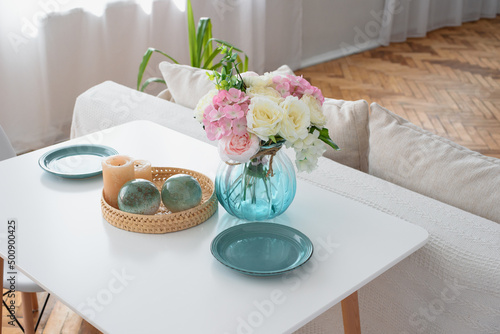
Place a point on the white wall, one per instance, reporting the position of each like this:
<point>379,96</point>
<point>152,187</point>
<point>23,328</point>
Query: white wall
<point>336,28</point>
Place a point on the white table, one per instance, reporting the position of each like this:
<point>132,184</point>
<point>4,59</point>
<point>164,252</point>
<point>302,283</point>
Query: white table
<point>124,282</point>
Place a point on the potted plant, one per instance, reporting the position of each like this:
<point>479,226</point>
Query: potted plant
<point>201,50</point>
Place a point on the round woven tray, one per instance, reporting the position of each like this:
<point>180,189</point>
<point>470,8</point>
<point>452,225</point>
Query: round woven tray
<point>165,221</point>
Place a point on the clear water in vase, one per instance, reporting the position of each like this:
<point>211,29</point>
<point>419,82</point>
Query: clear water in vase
<point>250,191</point>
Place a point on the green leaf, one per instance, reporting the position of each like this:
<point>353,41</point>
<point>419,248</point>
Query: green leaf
<point>203,25</point>
<point>191,34</point>
<point>238,64</point>
<point>245,65</point>
<point>226,44</point>
<point>215,67</point>
<point>207,49</point>
<point>150,80</point>
<point>242,66</point>
<point>142,66</point>
<point>145,61</point>
<point>208,61</point>
<point>273,139</point>
<point>325,137</point>
<point>166,55</point>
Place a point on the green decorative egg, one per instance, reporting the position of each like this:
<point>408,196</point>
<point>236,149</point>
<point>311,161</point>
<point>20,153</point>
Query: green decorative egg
<point>181,192</point>
<point>139,196</point>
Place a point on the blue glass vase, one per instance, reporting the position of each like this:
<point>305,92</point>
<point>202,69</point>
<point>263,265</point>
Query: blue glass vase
<point>252,191</point>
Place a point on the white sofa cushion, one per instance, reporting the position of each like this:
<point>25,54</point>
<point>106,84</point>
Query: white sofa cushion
<point>451,285</point>
<point>109,104</point>
<point>405,154</point>
<point>347,123</point>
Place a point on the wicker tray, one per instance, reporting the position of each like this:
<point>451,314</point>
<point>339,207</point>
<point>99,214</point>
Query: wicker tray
<point>165,221</point>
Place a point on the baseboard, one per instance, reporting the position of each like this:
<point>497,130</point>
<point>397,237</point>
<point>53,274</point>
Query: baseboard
<point>338,53</point>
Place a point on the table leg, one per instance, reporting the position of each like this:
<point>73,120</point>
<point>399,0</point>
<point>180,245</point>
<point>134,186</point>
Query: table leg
<point>29,324</point>
<point>34,301</point>
<point>350,314</point>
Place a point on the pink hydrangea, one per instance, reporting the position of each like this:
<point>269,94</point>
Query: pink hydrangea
<point>296,86</point>
<point>239,126</point>
<point>226,115</point>
<point>232,111</point>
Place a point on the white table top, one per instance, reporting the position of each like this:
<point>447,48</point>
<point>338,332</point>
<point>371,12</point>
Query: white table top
<point>124,282</point>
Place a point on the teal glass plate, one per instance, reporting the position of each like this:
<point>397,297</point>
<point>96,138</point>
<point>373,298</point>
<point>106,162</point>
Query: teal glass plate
<point>76,161</point>
<point>262,249</point>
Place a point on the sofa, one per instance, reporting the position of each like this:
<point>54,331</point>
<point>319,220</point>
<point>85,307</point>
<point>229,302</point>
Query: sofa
<point>452,284</point>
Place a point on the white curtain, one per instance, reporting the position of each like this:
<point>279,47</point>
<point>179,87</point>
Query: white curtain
<point>414,18</point>
<point>46,61</point>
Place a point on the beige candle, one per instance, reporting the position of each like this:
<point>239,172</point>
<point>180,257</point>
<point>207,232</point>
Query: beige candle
<point>116,171</point>
<point>142,170</point>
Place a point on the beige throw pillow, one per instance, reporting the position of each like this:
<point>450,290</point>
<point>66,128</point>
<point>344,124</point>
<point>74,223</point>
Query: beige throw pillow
<point>187,85</point>
<point>347,123</point>
<point>404,154</point>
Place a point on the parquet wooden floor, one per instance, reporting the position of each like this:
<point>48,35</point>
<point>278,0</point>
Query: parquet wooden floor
<point>57,318</point>
<point>447,83</point>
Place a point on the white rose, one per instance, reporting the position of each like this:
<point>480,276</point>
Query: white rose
<point>296,119</point>
<point>264,117</point>
<point>318,118</point>
<point>258,81</point>
<point>203,103</point>
<point>268,92</point>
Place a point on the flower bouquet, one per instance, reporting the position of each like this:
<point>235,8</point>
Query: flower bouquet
<point>252,117</point>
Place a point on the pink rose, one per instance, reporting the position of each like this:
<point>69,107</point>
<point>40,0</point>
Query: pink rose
<point>238,148</point>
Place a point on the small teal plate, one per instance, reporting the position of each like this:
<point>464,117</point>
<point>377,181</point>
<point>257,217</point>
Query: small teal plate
<point>77,161</point>
<point>262,249</point>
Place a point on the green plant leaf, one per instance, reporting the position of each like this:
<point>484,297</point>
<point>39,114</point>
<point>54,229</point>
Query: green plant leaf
<point>227,44</point>
<point>191,34</point>
<point>325,137</point>
<point>142,66</point>
<point>208,62</point>
<point>150,80</point>
<point>242,68</point>
<point>216,66</point>
<point>145,61</point>
<point>166,55</point>
<point>203,25</point>
<point>245,64</point>
<point>207,47</point>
